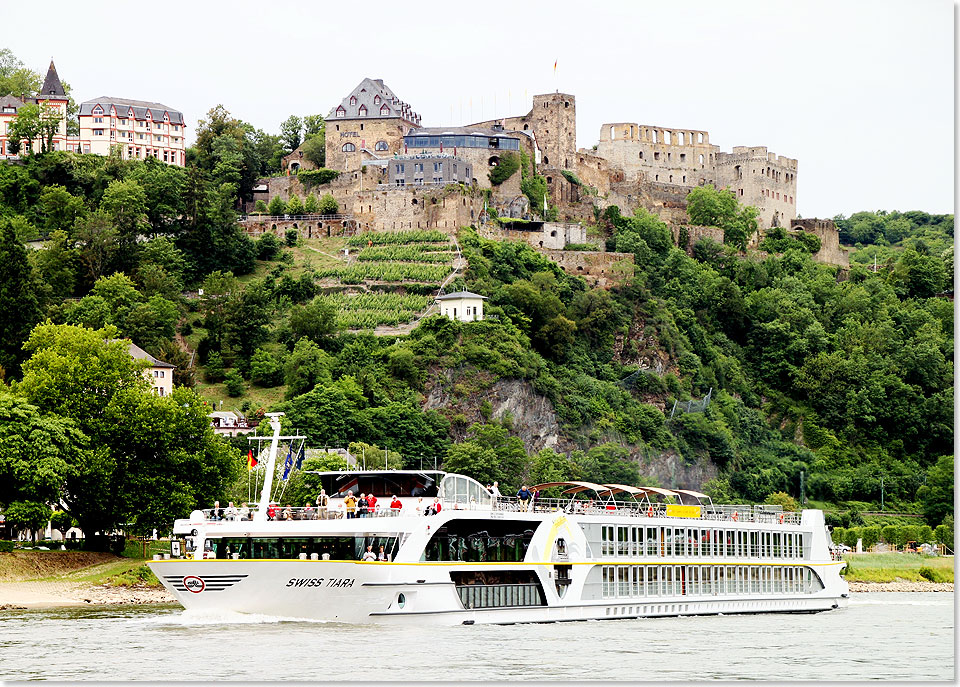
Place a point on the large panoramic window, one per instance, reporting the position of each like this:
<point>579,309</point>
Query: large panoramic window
<point>473,539</point>
<point>340,548</point>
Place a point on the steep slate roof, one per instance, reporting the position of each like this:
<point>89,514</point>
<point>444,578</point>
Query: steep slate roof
<point>136,352</point>
<point>460,294</point>
<point>10,101</point>
<point>51,85</point>
<point>139,107</point>
<point>366,93</point>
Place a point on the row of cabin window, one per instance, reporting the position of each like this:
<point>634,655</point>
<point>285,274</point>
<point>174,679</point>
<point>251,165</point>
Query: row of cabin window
<point>620,540</point>
<point>418,167</point>
<point>141,124</point>
<point>632,581</point>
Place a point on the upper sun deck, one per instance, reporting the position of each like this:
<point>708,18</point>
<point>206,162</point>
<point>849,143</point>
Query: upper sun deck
<point>407,517</point>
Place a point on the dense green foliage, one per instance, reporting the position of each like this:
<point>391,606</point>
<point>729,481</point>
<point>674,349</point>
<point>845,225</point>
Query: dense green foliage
<point>508,166</point>
<point>83,430</point>
<point>317,177</point>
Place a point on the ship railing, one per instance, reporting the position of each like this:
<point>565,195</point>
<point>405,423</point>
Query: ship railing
<point>290,514</point>
<point>731,513</point>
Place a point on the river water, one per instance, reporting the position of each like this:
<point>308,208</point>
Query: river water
<point>885,636</point>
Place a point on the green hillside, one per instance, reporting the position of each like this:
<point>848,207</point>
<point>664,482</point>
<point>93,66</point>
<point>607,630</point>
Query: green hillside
<point>846,378</point>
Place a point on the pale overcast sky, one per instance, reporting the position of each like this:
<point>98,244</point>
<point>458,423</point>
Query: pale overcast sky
<point>861,92</point>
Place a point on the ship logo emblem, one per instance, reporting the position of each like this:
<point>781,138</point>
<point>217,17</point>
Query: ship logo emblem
<point>194,584</point>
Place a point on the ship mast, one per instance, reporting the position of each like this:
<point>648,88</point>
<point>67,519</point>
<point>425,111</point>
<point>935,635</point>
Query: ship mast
<point>261,514</point>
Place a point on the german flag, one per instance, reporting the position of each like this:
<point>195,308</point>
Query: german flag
<point>251,461</point>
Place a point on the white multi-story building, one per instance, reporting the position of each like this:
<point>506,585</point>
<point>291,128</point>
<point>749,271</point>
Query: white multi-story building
<point>140,129</point>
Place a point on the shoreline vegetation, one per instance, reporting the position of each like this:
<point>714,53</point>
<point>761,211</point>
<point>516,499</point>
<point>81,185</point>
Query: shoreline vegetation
<point>36,580</point>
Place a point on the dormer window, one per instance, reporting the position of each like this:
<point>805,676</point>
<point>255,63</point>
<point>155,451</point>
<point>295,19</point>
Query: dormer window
<point>98,110</point>
<point>362,111</point>
<point>384,111</point>
<point>353,100</point>
<point>376,100</point>
<point>341,112</point>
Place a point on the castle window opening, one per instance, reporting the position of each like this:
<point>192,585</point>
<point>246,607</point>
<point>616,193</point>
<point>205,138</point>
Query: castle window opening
<point>348,148</point>
<point>493,161</point>
<point>671,178</point>
<point>566,103</point>
<point>680,138</point>
<point>669,156</point>
<point>683,157</point>
<point>553,233</point>
<point>413,202</point>
<point>549,180</point>
<point>701,159</point>
<point>526,127</point>
<point>684,178</point>
<point>382,145</point>
<point>656,156</point>
<point>545,160</point>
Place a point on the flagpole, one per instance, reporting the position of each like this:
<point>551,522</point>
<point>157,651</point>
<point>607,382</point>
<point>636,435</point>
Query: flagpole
<point>261,514</point>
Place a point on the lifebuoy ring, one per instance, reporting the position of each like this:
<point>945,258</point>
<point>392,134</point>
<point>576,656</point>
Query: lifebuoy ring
<point>650,512</point>
<point>780,518</point>
<point>735,516</point>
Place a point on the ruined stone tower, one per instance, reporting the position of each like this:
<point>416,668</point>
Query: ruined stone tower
<point>555,123</point>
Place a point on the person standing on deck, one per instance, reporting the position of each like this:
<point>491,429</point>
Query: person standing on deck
<point>524,496</point>
<point>362,506</point>
<point>322,504</point>
<point>396,505</point>
<point>351,503</point>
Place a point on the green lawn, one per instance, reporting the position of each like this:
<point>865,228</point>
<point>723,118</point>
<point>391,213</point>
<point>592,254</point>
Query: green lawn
<point>887,567</point>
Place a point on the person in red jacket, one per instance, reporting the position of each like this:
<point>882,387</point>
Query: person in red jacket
<point>372,504</point>
<point>272,511</point>
<point>396,505</point>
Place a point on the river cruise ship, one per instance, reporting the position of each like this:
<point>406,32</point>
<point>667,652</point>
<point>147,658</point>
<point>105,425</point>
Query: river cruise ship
<point>594,551</point>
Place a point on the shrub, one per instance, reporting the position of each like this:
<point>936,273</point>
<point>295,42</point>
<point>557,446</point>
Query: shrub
<point>214,371</point>
<point>234,383</point>
<point>260,208</point>
<point>310,204</point>
<point>509,164</point>
<point>291,237</point>
<point>787,502</point>
<point>328,205</point>
<point>295,205</point>
<point>276,206</point>
<point>267,247</point>
<point>571,177</point>
<point>317,177</point>
<point>935,575</point>
<point>6,546</point>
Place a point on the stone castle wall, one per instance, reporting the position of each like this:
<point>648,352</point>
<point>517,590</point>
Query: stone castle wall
<point>598,268</point>
<point>548,235</point>
<point>830,251</point>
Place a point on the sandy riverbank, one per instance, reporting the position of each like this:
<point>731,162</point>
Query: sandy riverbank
<point>46,594</point>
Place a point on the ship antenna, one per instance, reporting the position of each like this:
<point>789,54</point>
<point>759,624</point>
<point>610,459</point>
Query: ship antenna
<point>261,514</point>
